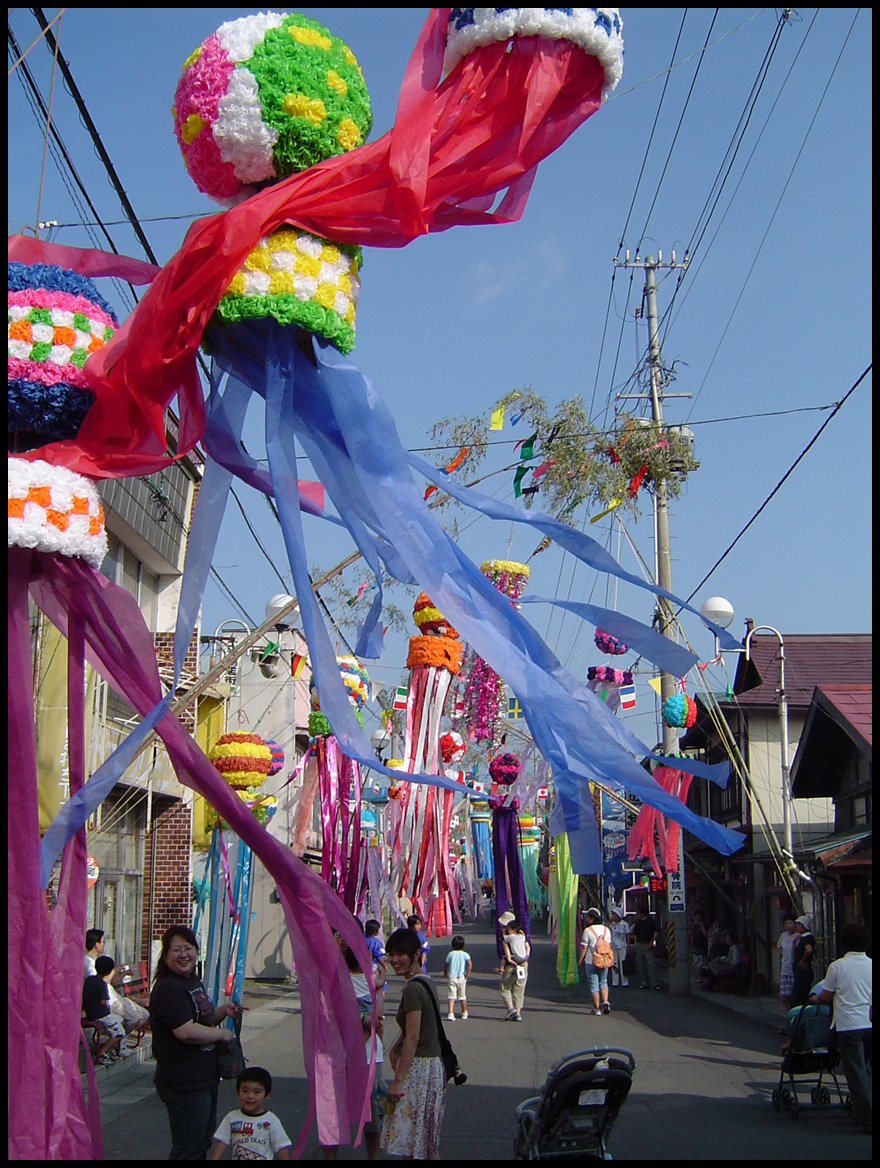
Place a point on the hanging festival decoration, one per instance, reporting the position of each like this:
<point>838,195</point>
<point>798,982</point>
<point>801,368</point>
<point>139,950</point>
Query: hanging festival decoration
<point>245,760</point>
<point>510,893</point>
<point>529,858</point>
<point>609,684</point>
<point>337,782</point>
<point>480,689</point>
<point>446,161</point>
<point>679,711</point>
<point>609,644</point>
<point>277,753</point>
<point>654,836</point>
<point>420,847</point>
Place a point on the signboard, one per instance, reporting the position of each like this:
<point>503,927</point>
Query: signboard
<point>675,887</point>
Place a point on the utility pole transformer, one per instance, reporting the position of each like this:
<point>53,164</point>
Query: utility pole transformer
<point>679,981</point>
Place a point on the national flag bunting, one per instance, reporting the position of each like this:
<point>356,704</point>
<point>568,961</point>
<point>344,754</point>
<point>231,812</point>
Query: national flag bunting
<point>627,697</point>
<point>400,697</point>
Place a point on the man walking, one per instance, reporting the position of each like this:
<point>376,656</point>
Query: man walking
<point>848,984</point>
<point>645,933</point>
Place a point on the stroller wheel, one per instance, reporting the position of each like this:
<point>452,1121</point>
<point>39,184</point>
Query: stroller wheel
<point>785,1099</point>
<point>824,1096</point>
<point>814,1096</point>
<point>776,1101</point>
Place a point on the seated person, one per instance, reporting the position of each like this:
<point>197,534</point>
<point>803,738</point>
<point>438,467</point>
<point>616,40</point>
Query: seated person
<point>96,1006</point>
<point>731,960</point>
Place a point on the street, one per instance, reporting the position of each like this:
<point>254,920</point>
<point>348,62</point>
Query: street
<point>705,1071</point>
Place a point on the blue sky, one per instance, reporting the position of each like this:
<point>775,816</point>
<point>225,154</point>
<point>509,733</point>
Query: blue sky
<point>448,324</point>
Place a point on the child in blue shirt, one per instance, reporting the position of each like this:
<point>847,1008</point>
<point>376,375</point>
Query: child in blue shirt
<point>457,969</point>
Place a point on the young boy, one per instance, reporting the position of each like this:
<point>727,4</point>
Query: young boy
<point>96,1005</point>
<point>414,922</point>
<point>253,1132</point>
<point>457,968</point>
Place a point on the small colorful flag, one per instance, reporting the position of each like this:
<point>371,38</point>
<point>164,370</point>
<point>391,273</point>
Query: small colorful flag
<point>400,697</point>
<point>497,420</point>
<point>514,709</point>
<point>297,665</point>
<point>627,697</point>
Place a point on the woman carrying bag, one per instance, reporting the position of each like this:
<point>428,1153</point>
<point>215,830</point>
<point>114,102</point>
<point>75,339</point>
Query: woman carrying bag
<point>598,956</point>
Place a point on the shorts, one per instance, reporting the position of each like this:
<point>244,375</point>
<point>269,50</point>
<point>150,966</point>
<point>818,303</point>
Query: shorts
<point>112,1023</point>
<point>457,989</point>
<point>596,978</point>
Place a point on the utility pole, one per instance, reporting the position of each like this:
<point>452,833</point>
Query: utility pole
<point>679,964</point>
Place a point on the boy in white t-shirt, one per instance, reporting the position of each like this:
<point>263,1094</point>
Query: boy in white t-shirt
<point>457,969</point>
<point>252,1132</point>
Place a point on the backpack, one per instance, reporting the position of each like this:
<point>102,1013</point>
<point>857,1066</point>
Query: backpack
<point>603,954</point>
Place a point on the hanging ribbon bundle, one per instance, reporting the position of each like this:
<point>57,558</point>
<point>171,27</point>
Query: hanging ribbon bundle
<point>653,836</point>
<point>529,852</point>
<point>481,840</point>
<point>510,893</point>
<point>338,785</point>
<point>420,848</point>
<point>679,711</point>
<point>481,691</point>
<point>563,909</point>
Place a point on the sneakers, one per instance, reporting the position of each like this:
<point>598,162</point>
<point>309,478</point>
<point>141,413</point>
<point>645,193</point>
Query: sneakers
<point>596,1012</point>
<point>517,1018</point>
<point>510,1016</point>
<point>450,1017</point>
<point>464,1016</point>
<point>606,1007</point>
<point>124,1052</point>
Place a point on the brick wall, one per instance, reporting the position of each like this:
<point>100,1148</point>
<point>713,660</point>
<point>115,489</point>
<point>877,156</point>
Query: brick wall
<point>167,883</point>
<point>164,643</point>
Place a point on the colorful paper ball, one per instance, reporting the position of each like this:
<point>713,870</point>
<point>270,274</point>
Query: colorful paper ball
<point>56,320</point>
<point>680,711</point>
<point>608,674</point>
<point>609,644</point>
<point>356,680</point>
<point>53,509</point>
<point>277,756</point>
<point>451,746</point>
<point>266,96</point>
<point>504,769</point>
<point>242,759</point>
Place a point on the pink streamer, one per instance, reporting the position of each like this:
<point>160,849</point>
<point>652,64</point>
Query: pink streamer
<point>44,1123</point>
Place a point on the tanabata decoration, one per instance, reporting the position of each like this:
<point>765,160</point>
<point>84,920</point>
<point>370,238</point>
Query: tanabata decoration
<point>653,836</point>
<point>480,690</point>
<point>277,757</point>
<point>419,829</point>
<point>529,856</point>
<point>338,784</point>
<point>485,97</point>
<point>510,893</point>
<point>245,760</point>
<point>605,682</point>
<point>57,542</point>
<point>680,711</point>
<point>609,644</point>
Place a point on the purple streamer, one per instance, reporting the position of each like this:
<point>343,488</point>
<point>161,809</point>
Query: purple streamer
<point>508,872</point>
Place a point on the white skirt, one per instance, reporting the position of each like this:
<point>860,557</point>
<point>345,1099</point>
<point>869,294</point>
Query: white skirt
<point>413,1127</point>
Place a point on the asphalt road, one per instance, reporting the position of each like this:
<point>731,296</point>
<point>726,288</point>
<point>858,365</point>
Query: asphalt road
<point>701,1089</point>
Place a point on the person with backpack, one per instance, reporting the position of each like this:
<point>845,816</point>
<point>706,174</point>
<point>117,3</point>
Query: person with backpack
<point>597,956</point>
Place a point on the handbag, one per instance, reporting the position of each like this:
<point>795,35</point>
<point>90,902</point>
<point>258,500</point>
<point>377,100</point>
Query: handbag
<point>447,1054</point>
<point>230,1056</point>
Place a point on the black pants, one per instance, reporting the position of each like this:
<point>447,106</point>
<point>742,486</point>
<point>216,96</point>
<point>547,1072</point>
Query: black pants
<point>192,1117</point>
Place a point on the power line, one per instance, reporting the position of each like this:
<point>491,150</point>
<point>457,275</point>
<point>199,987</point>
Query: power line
<point>787,474</point>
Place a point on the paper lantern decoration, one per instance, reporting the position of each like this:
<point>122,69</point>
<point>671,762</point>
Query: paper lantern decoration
<point>357,685</point>
<point>609,644</point>
<point>277,756</point>
<point>263,97</point>
<point>56,320</point>
<point>452,747</point>
<point>242,759</point>
<point>504,769</point>
<point>680,711</point>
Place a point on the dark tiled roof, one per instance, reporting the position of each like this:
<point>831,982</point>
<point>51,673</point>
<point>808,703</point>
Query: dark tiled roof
<point>854,706</point>
<point>828,660</point>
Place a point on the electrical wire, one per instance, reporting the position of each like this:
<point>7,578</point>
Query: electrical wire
<point>787,475</point>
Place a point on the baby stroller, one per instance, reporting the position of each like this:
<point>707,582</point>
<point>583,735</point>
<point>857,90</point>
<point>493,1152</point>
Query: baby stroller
<point>810,1062</point>
<point>573,1116</point>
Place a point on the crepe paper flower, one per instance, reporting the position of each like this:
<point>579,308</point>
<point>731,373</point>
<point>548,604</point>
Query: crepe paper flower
<point>242,759</point>
<point>504,769</point>
<point>277,756</point>
<point>680,711</point>
<point>608,643</point>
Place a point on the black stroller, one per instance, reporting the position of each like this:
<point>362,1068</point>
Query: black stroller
<point>810,1063</point>
<point>573,1116</point>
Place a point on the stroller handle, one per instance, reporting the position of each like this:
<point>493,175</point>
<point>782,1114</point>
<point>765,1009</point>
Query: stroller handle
<point>594,1052</point>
